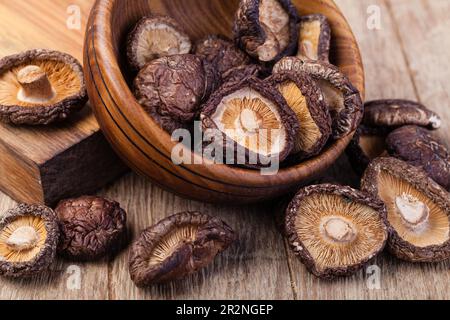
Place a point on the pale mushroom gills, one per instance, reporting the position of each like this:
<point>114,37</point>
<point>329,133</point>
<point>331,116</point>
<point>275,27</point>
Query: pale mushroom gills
<point>335,230</point>
<point>29,235</point>
<point>252,121</point>
<point>39,87</point>
<point>418,209</point>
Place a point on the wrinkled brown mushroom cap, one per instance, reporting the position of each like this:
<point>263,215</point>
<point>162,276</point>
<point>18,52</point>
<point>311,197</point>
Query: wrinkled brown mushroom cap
<point>397,112</point>
<point>412,237</point>
<point>28,240</point>
<point>335,230</point>
<point>421,148</point>
<point>155,37</point>
<point>266,29</point>
<point>314,37</point>
<point>176,247</point>
<point>226,109</point>
<point>172,89</point>
<point>221,53</point>
<point>367,144</point>
<point>305,98</point>
<point>91,227</point>
<point>342,98</point>
<point>240,73</point>
<point>62,78</point>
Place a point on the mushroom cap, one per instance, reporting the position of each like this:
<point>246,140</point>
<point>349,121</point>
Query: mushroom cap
<point>309,26</point>
<point>312,113</point>
<point>222,53</point>
<point>273,104</point>
<point>91,227</point>
<point>139,41</point>
<point>334,208</point>
<point>250,34</point>
<point>242,72</point>
<point>398,112</point>
<point>421,148</point>
<point>64,73</point>
<point>29,261</point>
<point>388,178</point>
<point>343,99</point>
<point>177,246</point>
<point>171,89</point>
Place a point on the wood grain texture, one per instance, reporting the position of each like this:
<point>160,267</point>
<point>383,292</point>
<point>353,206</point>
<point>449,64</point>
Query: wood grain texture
<point>257,267</point>
<point>43,156</point>
<point>384,59</point>
<point>141,142</point>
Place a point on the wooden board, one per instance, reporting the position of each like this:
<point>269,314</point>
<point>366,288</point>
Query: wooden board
<point>399,63</point>
<point>46,164</point>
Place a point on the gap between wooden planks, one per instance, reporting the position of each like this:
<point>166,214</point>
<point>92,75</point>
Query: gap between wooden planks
<point>399,62</point>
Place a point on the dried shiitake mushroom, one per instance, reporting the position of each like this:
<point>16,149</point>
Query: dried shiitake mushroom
<point>266,29</point>
<point>421,148</point>
<point>39,87</point>
<point>176,247</point>
<point>367,144</point>
<point>28,240</point>
<point>254,115</point>
<point>396,113</point>
<point>171,89</point>
<point>418,210</point>
<point>305,98</point>
<point>335,230</point>
<point>342,98</point>
<point>221,53</point>
<point>240,73</point>
<point>156,37</point>
<point>91,227</point>
<point>314,38</point>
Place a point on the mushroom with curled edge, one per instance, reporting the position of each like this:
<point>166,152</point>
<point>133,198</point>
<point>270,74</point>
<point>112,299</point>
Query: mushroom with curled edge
<point>253,121</point>
<point>29,237</point>
<point>314,38</point>
<point>155,37</point>
<point>342,98</point>
<point>177,246</point>
<point>418,209</point>
<point>305,98</point>
<point>335,230</point>
<point>266,29</point>
<point>397,112</point>
<point>39,87</point>
<point>421,148</point>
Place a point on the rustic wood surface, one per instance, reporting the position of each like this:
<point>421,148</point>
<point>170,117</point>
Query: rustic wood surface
<point>44,157</point>
<point>406,58</point>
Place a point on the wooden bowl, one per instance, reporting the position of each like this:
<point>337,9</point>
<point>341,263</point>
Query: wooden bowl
<point>145,147</point>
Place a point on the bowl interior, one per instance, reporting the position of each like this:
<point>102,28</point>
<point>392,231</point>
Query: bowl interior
<point>200,18</point>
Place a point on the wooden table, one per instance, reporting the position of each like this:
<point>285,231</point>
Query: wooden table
<point>406,58</point>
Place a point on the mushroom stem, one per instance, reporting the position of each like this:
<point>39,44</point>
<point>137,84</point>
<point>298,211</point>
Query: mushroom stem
<point>23,238</point>
<point>249,120</point>
<point>413,212</point>
<point>338,230</point>
<point>35,85</point>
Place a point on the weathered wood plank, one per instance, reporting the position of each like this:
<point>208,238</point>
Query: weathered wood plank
<point>253,268</point>
<point>256,267</point>
<point>423,26</point>
<point>387,76</point>
<point>29,24</point>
